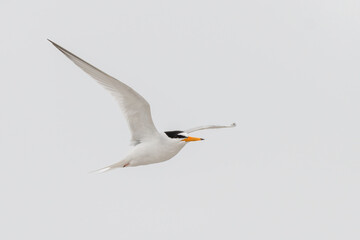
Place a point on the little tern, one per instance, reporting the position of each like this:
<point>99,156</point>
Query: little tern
<point>148,145</point>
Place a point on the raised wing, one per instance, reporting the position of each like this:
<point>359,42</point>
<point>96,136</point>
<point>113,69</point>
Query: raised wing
<point>209,127</point>
<point>135,108</point>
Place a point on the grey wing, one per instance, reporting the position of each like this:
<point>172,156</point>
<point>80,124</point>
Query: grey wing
<point>209,127</point>
<point>135,108</point>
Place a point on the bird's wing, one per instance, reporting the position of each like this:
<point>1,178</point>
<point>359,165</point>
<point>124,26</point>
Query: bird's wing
<point>209,127</point>
<point>135,108</point>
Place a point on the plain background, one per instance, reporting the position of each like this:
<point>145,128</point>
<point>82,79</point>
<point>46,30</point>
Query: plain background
<point>286,71</point>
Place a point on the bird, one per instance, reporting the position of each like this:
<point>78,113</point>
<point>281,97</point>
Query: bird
<point>148,144</point>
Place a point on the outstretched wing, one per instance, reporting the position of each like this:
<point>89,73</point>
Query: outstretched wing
<point>135,108</point>
<point>209,127</point>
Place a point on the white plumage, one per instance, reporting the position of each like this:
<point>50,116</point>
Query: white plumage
<point>149,145</point>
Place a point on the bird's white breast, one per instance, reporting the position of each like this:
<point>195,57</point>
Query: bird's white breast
<point>157,149</point>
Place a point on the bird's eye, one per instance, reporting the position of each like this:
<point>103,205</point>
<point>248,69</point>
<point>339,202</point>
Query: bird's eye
<point>176,134</point>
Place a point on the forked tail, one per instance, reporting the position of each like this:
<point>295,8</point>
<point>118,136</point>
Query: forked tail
<point>111,167</point>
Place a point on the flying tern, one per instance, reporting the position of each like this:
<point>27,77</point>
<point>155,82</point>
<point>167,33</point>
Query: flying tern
<point>148,144</point>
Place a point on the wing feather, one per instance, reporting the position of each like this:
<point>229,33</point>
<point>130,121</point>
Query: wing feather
<point>135,108</point>
<point>209,127</point>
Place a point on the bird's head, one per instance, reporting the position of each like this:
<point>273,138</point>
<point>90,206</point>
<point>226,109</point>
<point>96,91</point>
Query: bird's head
<point>181,136</point>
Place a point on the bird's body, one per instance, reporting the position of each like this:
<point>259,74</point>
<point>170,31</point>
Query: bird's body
<point>148,145</point>
<point>157,149</point>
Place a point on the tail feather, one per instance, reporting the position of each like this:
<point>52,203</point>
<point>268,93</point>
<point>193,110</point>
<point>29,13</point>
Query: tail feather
<point>108,168</point>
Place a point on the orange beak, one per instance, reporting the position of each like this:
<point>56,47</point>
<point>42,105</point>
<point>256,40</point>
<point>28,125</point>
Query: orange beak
<point>191,139</point>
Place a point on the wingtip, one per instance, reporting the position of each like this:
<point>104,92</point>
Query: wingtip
<point>57,46</point>
<point>63,50</point>
<point>53,43</point>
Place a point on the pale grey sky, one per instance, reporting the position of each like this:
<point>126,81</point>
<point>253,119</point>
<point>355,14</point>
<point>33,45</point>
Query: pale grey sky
<point>286,71</point>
